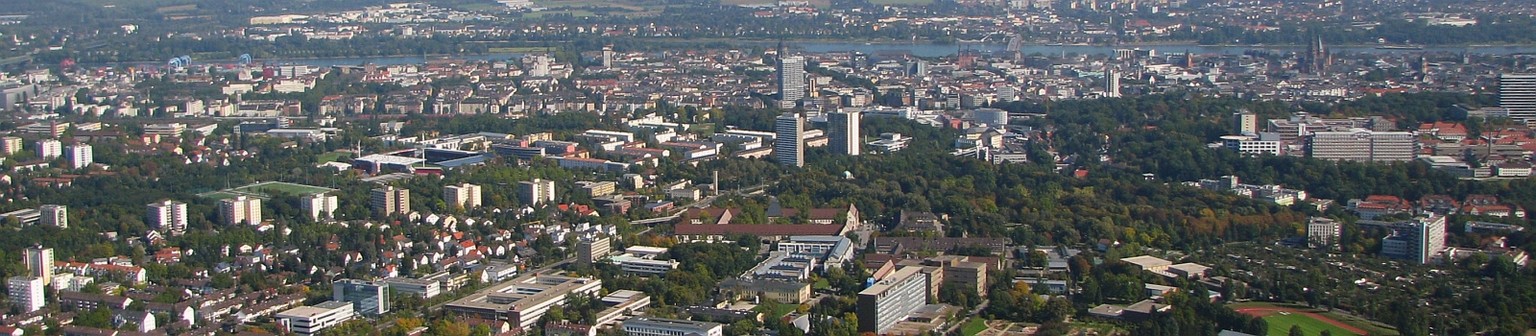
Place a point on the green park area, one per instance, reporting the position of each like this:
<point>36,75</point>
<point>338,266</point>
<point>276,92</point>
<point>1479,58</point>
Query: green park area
<point>1312,321</point>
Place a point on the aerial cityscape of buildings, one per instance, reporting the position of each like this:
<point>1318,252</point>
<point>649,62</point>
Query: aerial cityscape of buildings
<point>969,167</point>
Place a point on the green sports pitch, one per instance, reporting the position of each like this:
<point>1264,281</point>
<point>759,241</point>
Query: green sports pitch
<point>265,190</point>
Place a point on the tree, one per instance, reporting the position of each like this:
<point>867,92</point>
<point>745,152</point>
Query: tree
<point>101,317</point>
<point>448,328</point>
<point>1296,331</point>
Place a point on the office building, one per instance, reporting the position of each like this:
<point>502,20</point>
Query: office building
<point>1323,232</point>
<point>1362,145</point>
<point>645,260</point>
<point>1418,240</point>
<point>240,210</point>
<point>522,301</point>
<point>80,156</point>
<point>26,293</point>
<point>388,201</point>
<point>591,250</point>
<point>607,56</point>
<point>788,141</point>
<point>1111,84</point>
<point>791,81</point>
<point>53,215</point>
<point>39,263</point>
<point>961,271</point>
<point>10,145</point>
<point>1245,123</point>
<point>167,215</point>
<point>844,132</point>
<point>319,206</point>
<point>310,320</point>
<point>369,298</point>
<point>1267,143</point>
<point>1517,94</point>
<point>422,288</point>
<point>462,195</point>
<point>50,149</point>
<point>648,326</point>
<point>643,266</point>
<point>536,192</point>
<point>892,299</point>
<point>597,188</point>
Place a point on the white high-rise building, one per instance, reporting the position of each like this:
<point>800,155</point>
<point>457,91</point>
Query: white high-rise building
<point>1323,232</point>
<point>463,195</point>
<point>1111,84</point>
<point>319,206</point>
<point>1419,240</point>
<point>892,299</point>
<point>167,215</point>
<point>81,156</point>
<point>1362,145</point>
<point>843,132</point>
<point>40,263</point>
<point>1517,94</point>
<point>1246,123</point>
<point>536,192</point>
<point>50,149</point>
<point>240,210</point>
<point>788,140</point>
<point>791,80</point>
<point>53,215</point>
<point>10,145</point>
<point>389,201</point>
<point>608,56</point>
<point>26,293</point>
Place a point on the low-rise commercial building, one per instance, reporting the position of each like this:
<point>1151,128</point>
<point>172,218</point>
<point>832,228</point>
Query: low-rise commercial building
<point>310,320</point>
<point>524,300</point>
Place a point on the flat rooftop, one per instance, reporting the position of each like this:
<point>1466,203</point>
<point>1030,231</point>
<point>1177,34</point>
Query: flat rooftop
<point>311,312</point>
<point>390,159</point>
<point>523,292</point>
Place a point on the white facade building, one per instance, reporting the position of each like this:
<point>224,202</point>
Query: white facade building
<point>240,210</point>
<point>167,215</point>
<point>310,320</point>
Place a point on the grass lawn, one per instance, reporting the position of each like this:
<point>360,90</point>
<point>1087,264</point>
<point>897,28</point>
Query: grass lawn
<point>265,190</point>
<point>775,309</point>
<point>217,195</point>
<point>1372,327</point>
<point>333,156</point>
<point>973,326</point>
<point>282,187</point>
<point>1280,324</point>
<point>821,284</point>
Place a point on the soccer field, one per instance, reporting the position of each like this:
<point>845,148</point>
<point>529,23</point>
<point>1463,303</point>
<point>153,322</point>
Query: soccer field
<point>1280,324</point>
<point>268,188</point>
<point>265,190</point>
